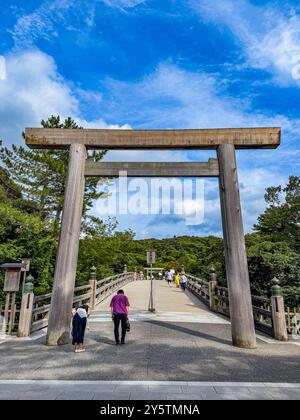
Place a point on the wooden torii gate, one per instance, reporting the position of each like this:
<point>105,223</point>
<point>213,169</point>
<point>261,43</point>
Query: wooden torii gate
<point>224,141</point>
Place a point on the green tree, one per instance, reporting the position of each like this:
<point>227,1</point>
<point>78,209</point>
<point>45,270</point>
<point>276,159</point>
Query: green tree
<point>274,249</point>
<point>281,219</point>
<point>24,234</point>
<point>32,186</point>
<point>40,175</point>
<point>268,259</point>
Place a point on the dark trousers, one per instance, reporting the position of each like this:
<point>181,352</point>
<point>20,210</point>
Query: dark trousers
<point>117,319</point>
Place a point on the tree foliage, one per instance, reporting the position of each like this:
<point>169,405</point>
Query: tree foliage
<point>32,184</point>
<point>281,219</point>
<point>110,253</point>
<point>40,174</point>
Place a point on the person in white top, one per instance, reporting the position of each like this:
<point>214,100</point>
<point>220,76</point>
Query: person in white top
<point>169,276</point>
<point>79,323</point>
<point>183,281</point>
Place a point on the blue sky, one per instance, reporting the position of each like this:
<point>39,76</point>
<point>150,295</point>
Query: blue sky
<point>160,64</point>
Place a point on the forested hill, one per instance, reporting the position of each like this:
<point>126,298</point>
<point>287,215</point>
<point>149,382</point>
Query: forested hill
<point>267,257</point>
<point>197,254</point>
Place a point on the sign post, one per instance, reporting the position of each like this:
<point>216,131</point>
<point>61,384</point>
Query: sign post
<point>25,269</point>
<point>151,257</point>
<point>11,286</point>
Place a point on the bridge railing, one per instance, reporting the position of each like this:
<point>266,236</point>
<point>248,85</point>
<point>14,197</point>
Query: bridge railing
<point>41,306</point>
<point>262,313</point>
<point>107,286</point>
<point>293,320</point>
<point>34,310</point>
<point>221,300</point>
<point>198,287</point>
<point>270,315</point>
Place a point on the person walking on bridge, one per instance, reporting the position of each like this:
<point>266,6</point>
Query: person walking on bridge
<point>119,310</point>
<point>183,281</point>
<point>169,276</point>
<point>177,282</point>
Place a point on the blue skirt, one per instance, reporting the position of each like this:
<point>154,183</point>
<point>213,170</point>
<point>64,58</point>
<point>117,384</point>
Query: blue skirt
<point>78,329</point>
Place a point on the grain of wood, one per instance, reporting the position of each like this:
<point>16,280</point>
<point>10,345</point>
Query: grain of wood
<point>242,138</point>
<point>242,323</point>
<point>67,254</point>
<point>153,169</point>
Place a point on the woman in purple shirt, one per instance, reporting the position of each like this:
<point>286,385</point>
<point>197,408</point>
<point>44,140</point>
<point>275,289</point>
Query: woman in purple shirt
<point>119,310</point>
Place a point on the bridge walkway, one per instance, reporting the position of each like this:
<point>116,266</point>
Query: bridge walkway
<point>171,304</point>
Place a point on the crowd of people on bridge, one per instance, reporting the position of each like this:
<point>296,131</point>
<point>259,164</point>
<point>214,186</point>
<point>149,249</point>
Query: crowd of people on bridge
<point>180,279</point>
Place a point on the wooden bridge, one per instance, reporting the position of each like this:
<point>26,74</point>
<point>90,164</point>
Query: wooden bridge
<point>171,305</point>
<point>205,302</point>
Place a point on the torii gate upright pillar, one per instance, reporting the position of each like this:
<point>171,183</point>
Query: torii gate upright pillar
<point>241,315</point>
<point>67,253</point>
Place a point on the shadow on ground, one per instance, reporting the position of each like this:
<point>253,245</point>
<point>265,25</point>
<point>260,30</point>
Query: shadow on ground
<point>155,350</point>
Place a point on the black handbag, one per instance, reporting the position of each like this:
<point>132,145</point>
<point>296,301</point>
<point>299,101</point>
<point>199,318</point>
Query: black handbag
<point>127,325</point>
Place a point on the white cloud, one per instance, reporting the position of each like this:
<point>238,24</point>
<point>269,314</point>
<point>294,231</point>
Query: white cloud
<point>41,23</point>
<point>252,188</point>
<point>168,98</point>
<point>123,4</point>
<point>34,90</point>
<point>270,38</point>
<point>173,98</point>
<point>279,48</point>
<point>100,123</point>
<point>2,68</point>
<point>45,21</point>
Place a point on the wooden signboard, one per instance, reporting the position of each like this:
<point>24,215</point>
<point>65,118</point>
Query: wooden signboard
<point>151,256</point>
<point>12,276</point>
<point>12,280</point>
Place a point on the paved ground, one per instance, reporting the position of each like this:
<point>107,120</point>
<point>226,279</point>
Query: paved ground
<point>155,350</point>
<point>124,390</point>
<point>184,346</point>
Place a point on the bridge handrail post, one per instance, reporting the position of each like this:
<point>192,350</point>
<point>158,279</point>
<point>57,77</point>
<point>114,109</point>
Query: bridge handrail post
<point>278,312</point>
<point>26,314</point>
<point>93,287</point>
<point>211,287</point>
